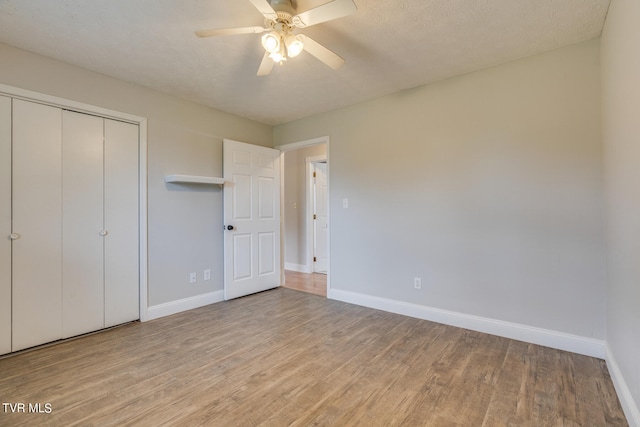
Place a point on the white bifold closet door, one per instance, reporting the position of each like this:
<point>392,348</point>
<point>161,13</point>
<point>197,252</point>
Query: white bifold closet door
<point>5,224</point>
<point>100,223</point>
<point>75,206</point>
<point>37,222</point>
<point>121,213</point>
<point>82,224</point>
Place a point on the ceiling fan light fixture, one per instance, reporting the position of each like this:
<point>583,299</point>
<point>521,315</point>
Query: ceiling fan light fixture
<point>279,56</point>
<point>294,45</point>
<point>271,42</point>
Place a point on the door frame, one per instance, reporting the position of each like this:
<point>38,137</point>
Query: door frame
<point>294,146</point>
<point>81,107</point>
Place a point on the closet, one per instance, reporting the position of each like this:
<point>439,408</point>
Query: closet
<point>69,206</point>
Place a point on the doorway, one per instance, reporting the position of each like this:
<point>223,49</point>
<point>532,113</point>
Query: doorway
<point>305,216</point>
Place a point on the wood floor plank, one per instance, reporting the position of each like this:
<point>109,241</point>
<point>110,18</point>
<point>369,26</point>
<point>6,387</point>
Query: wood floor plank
<point>315,283</point>
<point>288,358</point>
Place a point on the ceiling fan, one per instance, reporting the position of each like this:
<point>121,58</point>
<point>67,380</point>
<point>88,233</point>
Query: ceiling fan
<point>280,42</point>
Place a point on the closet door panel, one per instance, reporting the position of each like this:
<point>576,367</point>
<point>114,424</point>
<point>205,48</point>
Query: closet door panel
<point>121,221</point>
<point>82,224</point>
<point>5,224</point>
<point>37,217</point>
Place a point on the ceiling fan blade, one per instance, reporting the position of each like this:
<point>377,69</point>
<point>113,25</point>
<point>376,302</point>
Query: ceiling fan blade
<point>265,8</point>
<point>230,31</point>
<point>322,53</point>
<point>326,12</point>
<point>266,65</point>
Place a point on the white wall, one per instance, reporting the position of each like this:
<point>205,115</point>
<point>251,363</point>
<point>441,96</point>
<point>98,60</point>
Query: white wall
<point>488,186</point>
<point>620,46</point>
<point>185,223</point>
<point>295,203</point>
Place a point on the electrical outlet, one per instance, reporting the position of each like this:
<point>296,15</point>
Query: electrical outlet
<point>417,282</point>
<point>345,203</point>
<point>207,274</point>
<point>193,278</point>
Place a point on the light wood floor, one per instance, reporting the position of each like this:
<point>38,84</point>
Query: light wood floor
<point>287,358</point>
<point>312,283</point>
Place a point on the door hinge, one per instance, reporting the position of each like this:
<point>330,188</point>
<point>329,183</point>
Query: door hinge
<point>314,259</point>
<point>314,174</point>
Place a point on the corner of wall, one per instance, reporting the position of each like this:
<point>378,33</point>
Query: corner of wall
<point>629,406</point>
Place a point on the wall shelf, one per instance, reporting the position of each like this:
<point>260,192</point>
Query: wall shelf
<point>193,179</point>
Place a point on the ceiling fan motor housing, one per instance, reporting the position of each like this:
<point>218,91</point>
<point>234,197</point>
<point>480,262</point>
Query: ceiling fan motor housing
<point>283,6</point>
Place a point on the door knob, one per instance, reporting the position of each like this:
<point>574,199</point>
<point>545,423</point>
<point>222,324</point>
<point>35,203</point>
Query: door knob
<point>14,236</point>
<point>104,233</point>
<point>230,227</point>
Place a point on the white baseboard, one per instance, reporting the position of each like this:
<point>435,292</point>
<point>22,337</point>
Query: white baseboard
<point>300,268</point>
<point>173,307</point>
<point>545,337</point>
<point>629,406</point>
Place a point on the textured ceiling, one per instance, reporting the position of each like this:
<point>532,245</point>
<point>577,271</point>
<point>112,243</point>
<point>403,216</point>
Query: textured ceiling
<point>389,45</point>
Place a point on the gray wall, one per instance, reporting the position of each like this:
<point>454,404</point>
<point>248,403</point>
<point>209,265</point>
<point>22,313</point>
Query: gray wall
<point>488,186</point>
<point>497,171</point>
<point>295,203</point>
<point>185,223</point>
<point>621,138</point>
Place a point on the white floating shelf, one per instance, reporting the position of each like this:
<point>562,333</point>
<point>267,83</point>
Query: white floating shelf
<point>193,179</point>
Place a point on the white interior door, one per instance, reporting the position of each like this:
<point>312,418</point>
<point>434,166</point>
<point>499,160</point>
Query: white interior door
<point>251,218</point>
<point>320,223</point>
<point>37,224</point>
<point>5,225</point>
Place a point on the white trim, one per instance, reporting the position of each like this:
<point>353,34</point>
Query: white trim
<point>143,227</point>
<point>300,268</point>
<point>68,104</point>
<point>80,107</point>
<point>185,304</point>
<point>328,151</point>
<point>629,406</point>
<point>548,338</point>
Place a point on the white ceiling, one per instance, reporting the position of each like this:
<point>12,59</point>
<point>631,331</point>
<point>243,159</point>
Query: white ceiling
<point>389,45</point>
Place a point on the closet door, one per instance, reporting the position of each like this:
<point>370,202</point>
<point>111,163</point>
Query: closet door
<point>82,224</point>
<point>121,221</point>
<point>37,218</point>
<point>5,224</point>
